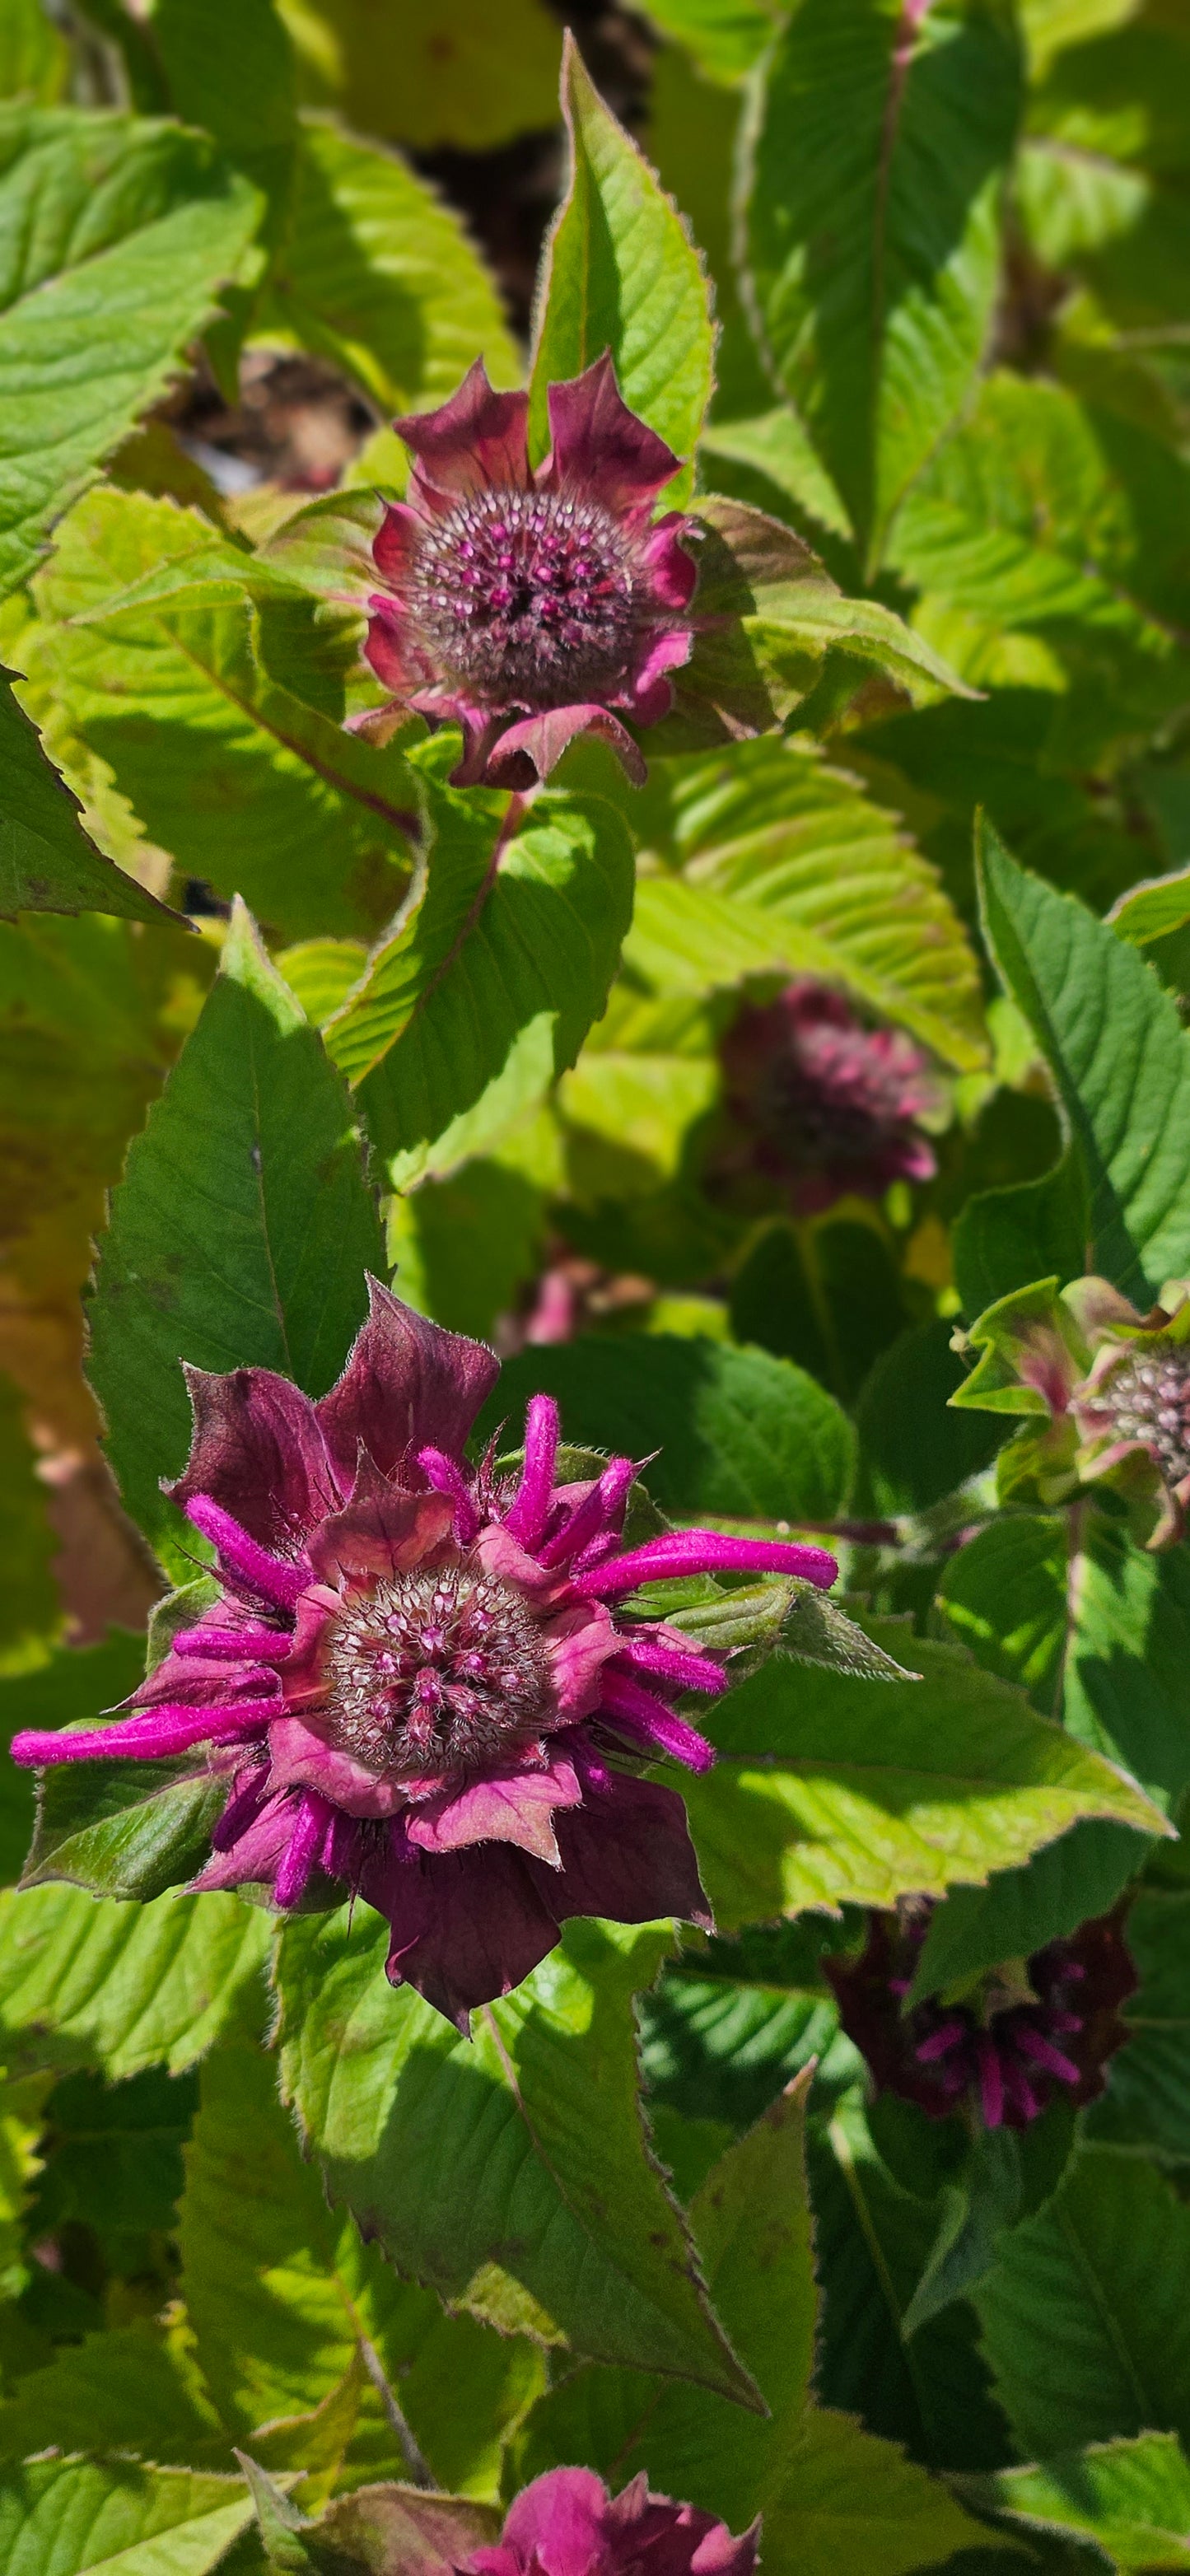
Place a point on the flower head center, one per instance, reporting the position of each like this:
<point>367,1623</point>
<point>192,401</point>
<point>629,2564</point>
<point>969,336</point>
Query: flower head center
<point>1148,1398</point>
<point>527,598</point>
<point>435,1673</point>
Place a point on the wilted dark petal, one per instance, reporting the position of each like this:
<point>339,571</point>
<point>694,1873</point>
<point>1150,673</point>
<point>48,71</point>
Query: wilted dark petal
<point>627,1854</point>
<point>259,1452</point>
<point>406,1383</point>
<point>475,439</point>
<point>526,752</point>
<point>600,448</point>
<point>466,1926</point>
<point>645,2530</point>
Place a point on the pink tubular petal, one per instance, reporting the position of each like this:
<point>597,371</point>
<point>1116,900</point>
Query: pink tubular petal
<point>707,1552</point>
<point>145,1739</point>
<point>1044,2054</point>
<point>527,1518</point>
<point>681,1665</point>
<point>407,1382</point>
<point>253,1566</point>
<point>249,1795</point>
<point>232,1645</point>
<point>302,1850</point>
<point>600,448</point>
<point>446,1478</point>
<point>991,2081</point>
<point>474,440</point>
<point>640,1714</point>
<point>941,2041</point>
<point>673,573</point>
<point>525,753</point>
<point>590,1518</point>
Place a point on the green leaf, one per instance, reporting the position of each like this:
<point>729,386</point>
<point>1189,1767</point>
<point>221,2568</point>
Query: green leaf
<point>829,1296</point>
<point>34,57</point>
<point>724,36</point>
<point>284,2297</point>
<point>130,2390</point>
<point>120,1828</point>
<point>1152,909</point>
<point>379,277</point>
<point>1148,2099</point>
<point>622,273</point>
<point>306,821</point>
<point>873,228</point>
<point>741,1436</point>
<point>230,68</point>
<point>103,289</point>
<point>850,2500</point>
<point>1095,1628</point>
<point>1086,2318</point>
<point>478,2165</point>
<point>240,1234</point>
<point>776,445</point>
<point>872,2239</point>
<point>1046,515</point>
<point>84,2518</point>
<point>443,72</point>
<point>48,863</point>
<point>915,1449</point>
<point>1072,1881</point>
<point>787,865</point>
<point>1120,1063</point>
<point>751,2224</point>
<point>830,1790</point>
<point>122,1986</point>
<point>489,984</point>
<point>718,2047</point>
<point>1132,2498</point>
<point>462,1248</point>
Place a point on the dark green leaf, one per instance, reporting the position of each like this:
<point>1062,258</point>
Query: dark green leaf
<point>479,2166</point>
<point>878,155</point>
<point>240,1234</point>
<point>1120,1064</point>
<point>833,1790</point>
<point>1086,2319</point>
<point>622,273</point>
<point>118,236</point>
<point>1147,2103</point>
<point>48,863</point>
<point>740,1435</point>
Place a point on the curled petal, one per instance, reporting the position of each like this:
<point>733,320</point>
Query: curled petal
<point>397,544</point>
<point>673,572</point>
<point>601,449</point>
<point>649,695</point>
<point>601,1507</point>
<point>258,1452</point>
<point>391,651</point>
<point>299,1859</point>
<point>518,1810</point>
<point>526,752</point>
<point>242,1560</point>
<point>406,1382</point>
<point>476,439</point>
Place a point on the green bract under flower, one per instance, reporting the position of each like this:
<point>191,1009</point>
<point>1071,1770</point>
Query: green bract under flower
<point>1106,1390</point>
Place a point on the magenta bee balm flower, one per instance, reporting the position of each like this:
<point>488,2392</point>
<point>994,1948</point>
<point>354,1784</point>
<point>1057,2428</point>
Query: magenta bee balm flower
<point>419,1681</point>
<point>566,2524</point>
<point>526,605</point>
<point>1024,2034</point>
<point>824,1104</point>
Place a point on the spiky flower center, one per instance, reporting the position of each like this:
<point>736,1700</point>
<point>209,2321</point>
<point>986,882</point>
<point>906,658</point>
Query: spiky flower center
<point>527,599</point>
<point>832,1102</point>
<point>435,1673</point>
<point>1148,1398</point>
